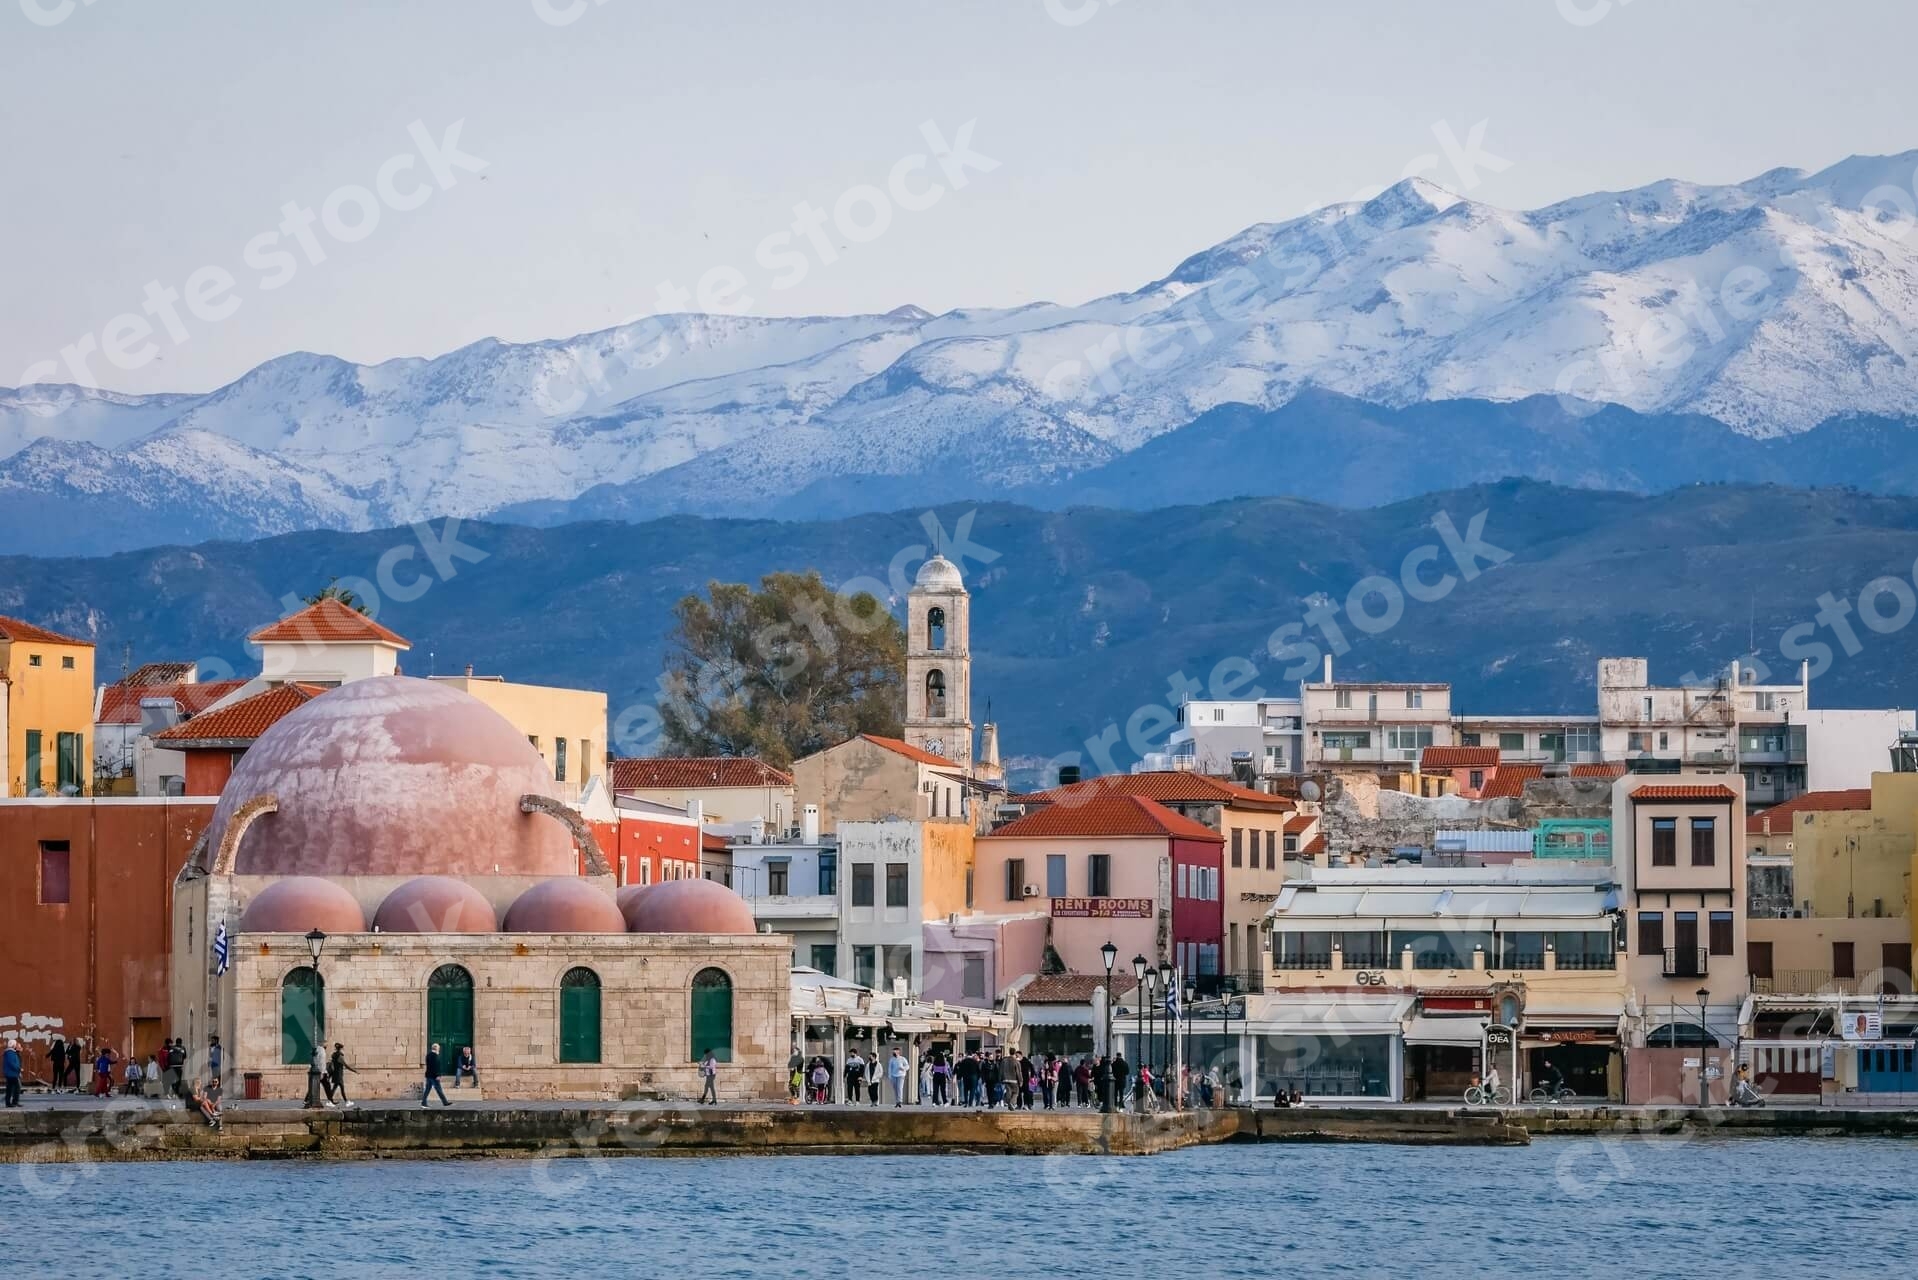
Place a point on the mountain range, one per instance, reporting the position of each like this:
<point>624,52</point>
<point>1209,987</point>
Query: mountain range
<point>1762,323</point>
<point>1080,618</point>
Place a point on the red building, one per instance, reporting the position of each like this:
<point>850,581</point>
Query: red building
<point>86,890</point>
<point>214,741</point>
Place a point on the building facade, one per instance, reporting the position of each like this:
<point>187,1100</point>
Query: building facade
<point>46,711</point>
<point>939,664</point>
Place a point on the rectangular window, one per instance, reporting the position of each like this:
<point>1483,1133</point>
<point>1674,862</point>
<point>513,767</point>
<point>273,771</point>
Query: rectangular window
<point>1347,741</point>
<point>895,884</point>
<point>1055,875</point>
<point>1758,959</point>
<point>1583,741</point>
<point>865,966</point>
<point>56,881</point>
<point>32,776</point>
<point>1645,708</point>
<point>1704,842</point>
<point>862,884</point>
<point>1664,842</point>
<point>1719,935</point>
<point>1521,950</point>
<point>1342,698</point>
<point>1552,744</point>
<point>974,987</point>
<point>1511,742</point>
<point>1302,951</point>
<point>1238,847</point>
<point>825,958</point>
<point>68,754</point>
<point>1414,699</point>
<point>1637,742</point>
<point>33,659</point>
<point>1099,875</point>
<point>1271,850</point>
<point>1291,843</point>
<point>585,759</point>
<point>1185,881</point>
<point>1468,739</point>
<point>559,759</point>
<point>778,878</point>
<point>1584,950</point>
<point>1478,779</point>
<point>1015,879</point>
<point>1363,950</point>
<point>66,663</point>
<point>1651,933</point>
<point>828,874</point>
<point>1843,961</point>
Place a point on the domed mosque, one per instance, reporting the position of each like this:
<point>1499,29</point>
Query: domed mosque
<point>388,868</point>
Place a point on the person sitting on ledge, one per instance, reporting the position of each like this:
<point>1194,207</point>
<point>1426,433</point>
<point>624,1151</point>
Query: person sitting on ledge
<point>465,1067</point>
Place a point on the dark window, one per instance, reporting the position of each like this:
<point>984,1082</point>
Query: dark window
<point>778,878</point>
<point>1238,847</point>
<point>825,958</point>
<point>1055,875</point>
<point>974,985</point>
<point>1584,950</point>
<point>1664,842</point>
<point>1303,951</point>
<point>559,759</point>
<point>1271,850</point>
<point>1015,879</point>
<point>862,884</point>
<point>1099,875</point>
<point>1897,970</point>
<point>935,628</point>
<point>1758,959</point>
<point>1521,951</point>
<point>1719,938</point>
<point>895,884</point>
<point>1478,779</point>
<point>1441,950</point>
<point>1704,842</point>
<point>56,877</point>
<point>32,776</point>
<point>1291,843</point>
<point>33,659</point>
<point>1843,965</point>
<point>1468,739</point>
<point>712,1015</point>
<point>1363,950</point>
<point>865,966</point>
<point>66,663</point>
<point>828,873</point>
<point>935,695</point>
<point>1651,933</point>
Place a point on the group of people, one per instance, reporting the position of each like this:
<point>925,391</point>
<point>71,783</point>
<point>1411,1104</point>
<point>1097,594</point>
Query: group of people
<point>165,1074</point>
<point>1006,1078</point>
<point>465,1067</point>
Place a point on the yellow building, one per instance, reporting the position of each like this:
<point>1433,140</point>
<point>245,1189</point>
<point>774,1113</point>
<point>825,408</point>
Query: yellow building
<point>46,713</point>
<point>1858,862</point>
<point>566,726</point>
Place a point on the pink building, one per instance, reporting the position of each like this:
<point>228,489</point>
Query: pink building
<point>1118,869</point>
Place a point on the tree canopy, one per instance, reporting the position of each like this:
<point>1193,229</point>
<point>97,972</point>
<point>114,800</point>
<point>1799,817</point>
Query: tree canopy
<point>334,591</point>
<point>782,671</point>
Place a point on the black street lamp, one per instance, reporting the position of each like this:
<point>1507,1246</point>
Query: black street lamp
<point>1227,1076</point>
<point>1109,954</point>
<point>315,944</point>
<point>1139,996</point>
<point>1704,1043</point>
<point>1165,1053</point>
<point>1191,993</point>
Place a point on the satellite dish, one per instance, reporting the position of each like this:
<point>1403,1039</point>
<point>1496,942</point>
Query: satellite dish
<point>1308,790</point>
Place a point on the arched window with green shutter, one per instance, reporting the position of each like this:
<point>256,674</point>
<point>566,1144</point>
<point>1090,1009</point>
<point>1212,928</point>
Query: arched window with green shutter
<point>579,1016</point>
<point>449,1012</point>
<point>302,1015</point>
<point>712,1015</point>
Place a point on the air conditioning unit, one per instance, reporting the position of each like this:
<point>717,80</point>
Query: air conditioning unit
<point>1032,891</point>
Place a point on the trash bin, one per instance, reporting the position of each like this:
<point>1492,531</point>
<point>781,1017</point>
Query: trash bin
<point>250,1085</point>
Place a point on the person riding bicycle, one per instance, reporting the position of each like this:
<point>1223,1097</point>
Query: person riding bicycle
<point>1554,1078</point>
<point>1491,1083</point>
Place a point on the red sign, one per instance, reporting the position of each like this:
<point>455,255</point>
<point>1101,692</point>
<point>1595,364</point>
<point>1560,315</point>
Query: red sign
<point>1103,908</point>
<point>1572,1037</point>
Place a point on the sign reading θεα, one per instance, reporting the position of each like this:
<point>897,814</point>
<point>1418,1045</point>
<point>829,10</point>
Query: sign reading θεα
<point>1103,908</point>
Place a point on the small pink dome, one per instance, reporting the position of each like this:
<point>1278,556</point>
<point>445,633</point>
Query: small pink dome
<point>300,904</point>
<point>435,904</point>
<point>628,901</point>
<point>564,906</point>
<point>689,906</point>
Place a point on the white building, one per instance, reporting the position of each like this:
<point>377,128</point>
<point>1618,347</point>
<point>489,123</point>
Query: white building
<point>1372,722</point>
<point>792,884</point>
<point>1217,735</point>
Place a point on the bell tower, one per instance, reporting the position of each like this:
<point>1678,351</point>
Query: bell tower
<point>939,663</point>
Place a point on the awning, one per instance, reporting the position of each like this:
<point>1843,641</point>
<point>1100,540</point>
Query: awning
<point>1331,1013</point>
<point>1457,1031</point>
<point>1056,1015</point>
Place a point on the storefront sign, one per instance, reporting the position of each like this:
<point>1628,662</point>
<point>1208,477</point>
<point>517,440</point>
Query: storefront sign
<point>1581,1036</point>
<point>1370,977</point>
<point>1497,1037</point>
<point>1102,908</point>
<point>1862,1026</point>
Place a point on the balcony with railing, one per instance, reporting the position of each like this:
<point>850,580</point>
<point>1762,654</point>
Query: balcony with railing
<point>1686,962</point>
<point>1815,982</point>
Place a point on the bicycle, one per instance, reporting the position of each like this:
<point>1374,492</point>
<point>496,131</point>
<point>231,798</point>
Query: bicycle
<point>1557,1093</point>
<point>1480,1096</point>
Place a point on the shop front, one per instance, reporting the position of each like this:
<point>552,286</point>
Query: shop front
<point>1325,1045</point>
<point>1444,1056</point>
<point>1587,1060</point>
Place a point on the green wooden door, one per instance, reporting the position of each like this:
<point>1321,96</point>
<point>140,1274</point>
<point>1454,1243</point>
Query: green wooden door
<point>449,1012</point>
<point>712,1015</point>
<point>579,1016</point>
<point>302,1017</point>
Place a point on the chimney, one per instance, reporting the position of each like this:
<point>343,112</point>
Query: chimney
<point>697,812</point>
<point>469,671</point>
<point>1328,668</point>
<point>989,745</point>
<point>809,824</point>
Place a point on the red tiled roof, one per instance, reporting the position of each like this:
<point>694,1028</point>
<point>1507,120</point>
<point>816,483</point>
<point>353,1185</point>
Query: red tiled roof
<point>1315,846</point>
<point>157,673</point>
<point>324,621</point>
<point>1458,758</point>
<point>1509,782</point>
<point>1176,786</point>
<point>1609,769</point>
<point>15,629</point>
<point>244,721</point>
<point>1716,791</point>
<point>1072,988</point>
<point>689,772</point>
<point>1109,816</point>
<point>120,703</point>
<point>1783,816</point>
<point>907,750</point>
<point>1300,822</point>
<point>710,843</point>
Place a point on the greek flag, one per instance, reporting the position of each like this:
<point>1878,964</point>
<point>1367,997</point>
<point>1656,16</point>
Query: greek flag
<point>1172,1003</point>
<point>220,954</point>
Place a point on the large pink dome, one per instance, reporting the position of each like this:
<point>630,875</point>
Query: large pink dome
<point>393,776</point>
<point>627,899</point>
<point>301,904</point>
<point>688,906</point>
<point>564,906</point>
<point>435,904</point>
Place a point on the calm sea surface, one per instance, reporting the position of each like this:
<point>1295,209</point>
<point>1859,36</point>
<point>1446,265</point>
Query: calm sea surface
<point>1643,1207</point>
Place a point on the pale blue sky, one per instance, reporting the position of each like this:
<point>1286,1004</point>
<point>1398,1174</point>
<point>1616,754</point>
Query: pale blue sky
<point>651,142</point>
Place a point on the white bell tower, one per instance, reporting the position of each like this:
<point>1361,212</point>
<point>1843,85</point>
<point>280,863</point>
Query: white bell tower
<point>939,663</point>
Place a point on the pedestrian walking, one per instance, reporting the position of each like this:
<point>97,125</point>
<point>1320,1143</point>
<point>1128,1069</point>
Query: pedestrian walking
<point>335,1079</point>
<point>73,1065</point>
<point>176,1068</point>
<point>432,1085</point>
<point>941,1078</point>
<point>133,1075</point>
<point>59,1055</point>
<point>872,1081</point>
<point>709,1074</point>
<point>316,1080</point>
<point>821,1080</point>
<point>215,1062</point>
<point>10,1071</point>
<point>855,1072</point>
<point>103,1072</point>
<point>897,1068</point>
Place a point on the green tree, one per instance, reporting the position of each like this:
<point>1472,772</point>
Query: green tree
<point>334,591</point>
<point>780,672</point>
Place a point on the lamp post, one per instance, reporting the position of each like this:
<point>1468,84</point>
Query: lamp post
<point>315,944</point>
<point>1168,1067</point>
<point>1109,954</point>
<point>1191,994</point>
<point>1232,1059</point>
<point>1704,1040</point>
<point>1139,998</point>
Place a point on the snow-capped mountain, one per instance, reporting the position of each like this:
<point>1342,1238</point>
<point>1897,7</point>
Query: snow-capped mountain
<point>1771,305</point>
